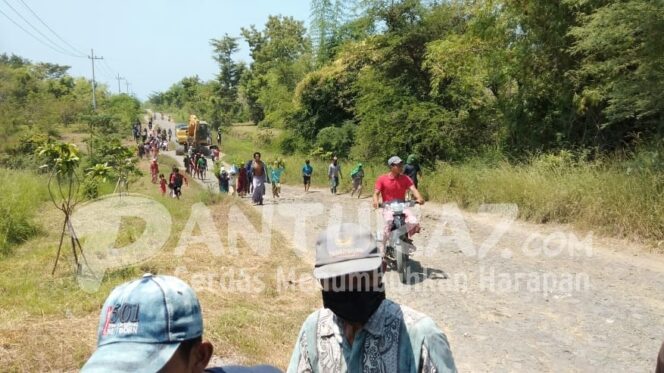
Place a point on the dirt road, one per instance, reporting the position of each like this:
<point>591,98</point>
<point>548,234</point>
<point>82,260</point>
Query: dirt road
<point>511,296</point>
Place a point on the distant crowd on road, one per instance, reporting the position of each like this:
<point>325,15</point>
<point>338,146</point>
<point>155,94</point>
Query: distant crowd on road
<point>150,140</point>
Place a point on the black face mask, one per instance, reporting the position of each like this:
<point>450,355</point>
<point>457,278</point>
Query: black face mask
<point>353,306</point>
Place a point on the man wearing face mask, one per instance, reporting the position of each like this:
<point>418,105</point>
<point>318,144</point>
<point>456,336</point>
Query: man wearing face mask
<point>359,329</point>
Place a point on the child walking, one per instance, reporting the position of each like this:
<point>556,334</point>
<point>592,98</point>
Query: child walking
<point>275,175</point>
<point>154,170</point>
<point>162,184</point>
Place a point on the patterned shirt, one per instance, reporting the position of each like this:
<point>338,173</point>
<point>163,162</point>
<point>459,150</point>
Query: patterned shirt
<point>395,339</point>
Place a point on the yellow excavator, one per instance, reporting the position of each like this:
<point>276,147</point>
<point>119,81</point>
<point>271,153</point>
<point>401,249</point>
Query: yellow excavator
<point>197,137</point>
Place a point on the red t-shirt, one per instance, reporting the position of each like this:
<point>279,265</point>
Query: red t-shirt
<point>392,188</point>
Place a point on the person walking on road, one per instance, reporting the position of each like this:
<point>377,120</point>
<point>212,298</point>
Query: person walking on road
<point>202,167</point>
<point>334,174</point>
<point>223,180</point>
<point>242,183</point>
<point>250,176</point>
<point>232,180</point>
<point>176,179</point>
<point>413,171</point>
<point>259,178</point>
<point>154,170</point>
<point>307,171</point>
<point>276,172</point>
<point>187,164</point>
<point>357,175</point>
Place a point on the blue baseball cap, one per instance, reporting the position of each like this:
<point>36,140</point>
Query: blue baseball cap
<point>142,324</point>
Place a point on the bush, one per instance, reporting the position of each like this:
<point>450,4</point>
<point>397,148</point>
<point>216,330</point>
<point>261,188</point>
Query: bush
<point>336,140</point>
<point>19,201</point>
<point>22,155</point>
<point>263,137</point>
<point>90,188</point>
<point>289,144</point>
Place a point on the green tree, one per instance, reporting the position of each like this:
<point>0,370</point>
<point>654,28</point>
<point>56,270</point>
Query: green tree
<point>226,106</point>
<point>621,45</point>
<point>326,20</point>
<point>62,161</point>
<point>281,57</point>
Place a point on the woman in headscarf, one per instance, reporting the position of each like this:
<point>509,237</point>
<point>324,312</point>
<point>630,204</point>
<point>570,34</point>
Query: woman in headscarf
<point>357,174</point>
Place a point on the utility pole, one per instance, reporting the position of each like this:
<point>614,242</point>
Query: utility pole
<point>93,58</point>
<point>127,84</point>
<point>118,78</point>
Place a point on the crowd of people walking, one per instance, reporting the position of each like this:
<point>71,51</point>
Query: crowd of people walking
<point>251,178</point>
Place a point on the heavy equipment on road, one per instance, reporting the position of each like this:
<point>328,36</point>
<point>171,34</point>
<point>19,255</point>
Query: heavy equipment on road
<point>197,138</point>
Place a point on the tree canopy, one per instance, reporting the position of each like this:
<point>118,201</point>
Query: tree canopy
<point>450,80</point>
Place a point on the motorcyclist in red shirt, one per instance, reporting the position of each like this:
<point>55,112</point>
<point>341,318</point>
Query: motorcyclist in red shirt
<point>393,186</point>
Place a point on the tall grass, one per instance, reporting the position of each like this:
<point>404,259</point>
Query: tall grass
<point>620,196</point>
<point>602,195</point>
<point>22,194</point>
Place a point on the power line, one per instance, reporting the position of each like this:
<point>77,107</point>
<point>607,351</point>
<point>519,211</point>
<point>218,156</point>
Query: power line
<point>109,68</point>
<point>50,29</point>
<point>109,72</point>
<point>106,70</point>
<point>62,50</point>
<point>28,32</point>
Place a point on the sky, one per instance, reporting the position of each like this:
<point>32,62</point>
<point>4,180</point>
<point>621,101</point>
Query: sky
<point>151,43</point>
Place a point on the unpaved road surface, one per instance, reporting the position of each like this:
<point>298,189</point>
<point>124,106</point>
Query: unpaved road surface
<point>511,296</point>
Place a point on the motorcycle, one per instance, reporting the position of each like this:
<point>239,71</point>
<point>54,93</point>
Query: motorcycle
<point>399,247</point>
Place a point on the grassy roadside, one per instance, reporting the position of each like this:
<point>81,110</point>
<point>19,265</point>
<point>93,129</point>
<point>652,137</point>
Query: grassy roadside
<point>595,196</point>
<point>48,323</point>
<point>609,196</point>
<point>21,196</point>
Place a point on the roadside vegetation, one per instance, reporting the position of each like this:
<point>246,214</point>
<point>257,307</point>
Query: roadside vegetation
<point>245,327</point>
<point>487,94</point>
<point>21,198</point>
<point>621,196</point>
<point>49,128</point>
